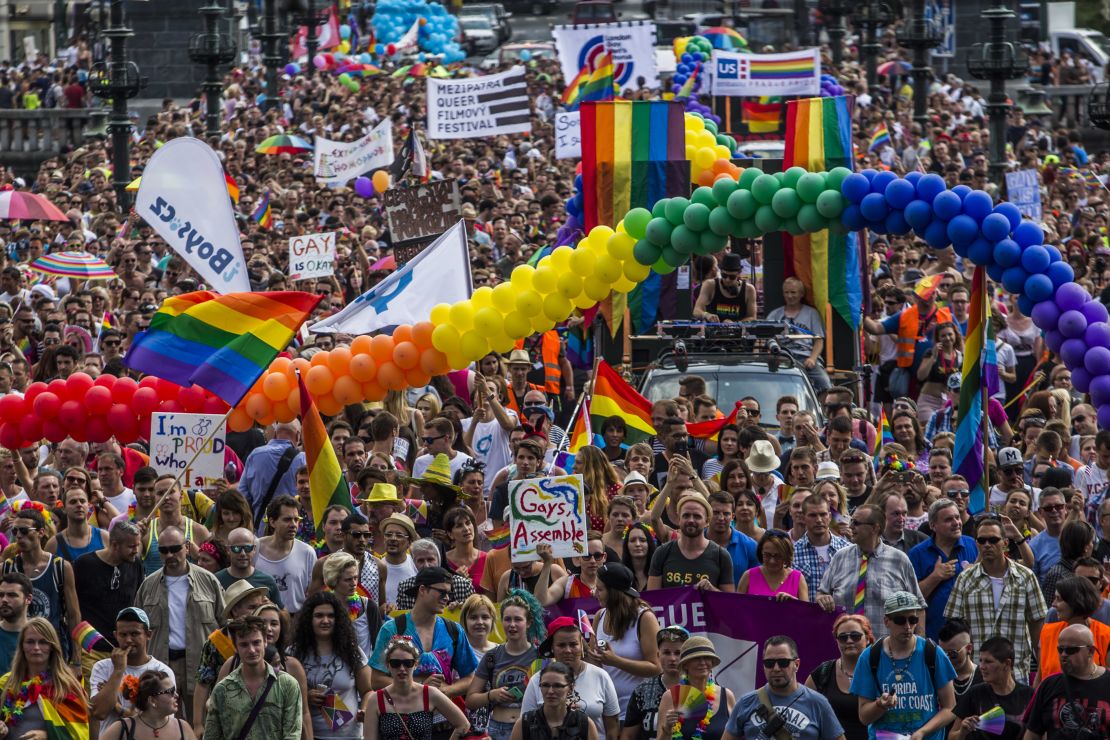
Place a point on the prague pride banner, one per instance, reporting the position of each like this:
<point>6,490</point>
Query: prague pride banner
<point>738,625</point>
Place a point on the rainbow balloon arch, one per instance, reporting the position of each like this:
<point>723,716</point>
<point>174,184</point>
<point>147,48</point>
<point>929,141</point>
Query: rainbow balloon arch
<point>743,203</point>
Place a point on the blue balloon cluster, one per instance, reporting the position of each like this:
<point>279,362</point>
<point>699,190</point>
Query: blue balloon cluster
<point>688,63</point>
<point>392,18</point>
<point>574,203</point>
<point>830,88</point>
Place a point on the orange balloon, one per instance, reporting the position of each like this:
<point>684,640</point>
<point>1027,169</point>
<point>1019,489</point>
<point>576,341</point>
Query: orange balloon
<point>371,391</point>
<point>239,420</point>
<point>705,177</point>
<point>406,356</point>
<point>391,377</point>
<point>347,390</point>
<point>339,360</point>
<point>302,365</point>
<point>281,365</point>
<point>328,405</point>
<point>433,362</point>
<point>275,385</point>
<point>319,381</point>
<point>320,359</point>
<point>361,345</point>
<point>422,334</point>
<point>417,378</point>
<point>258,406</point>
<point>363,368</point>
<point>402,333</point>
<point>381,181</point>
<point>722,176</point>
<point>268,419</point>
<point>381,348</point>
<point>282,412</point>
<point>721,165</point>
<point>294,400</point>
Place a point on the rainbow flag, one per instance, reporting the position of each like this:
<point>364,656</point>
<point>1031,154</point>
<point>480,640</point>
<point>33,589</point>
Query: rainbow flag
<point>761,117</point>
<point>980,373</point>
<point>600,84</point>
<point>326,481</point>
<point>710,429</point>
<point>819,137</point>
<point>613,396</point>
<point>66,719</point>
<point>262,215</point>
<point>884,437</point>
<point>797,65</point>
<point>220,342</point>
<point>581,434</point>
<point>880,137</point>
<point>499,536</point>
<point>633,154</point>
<point>574,89</point>
<point>232,187</point>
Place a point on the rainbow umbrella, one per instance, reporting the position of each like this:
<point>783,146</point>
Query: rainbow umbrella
<point>81,265</point>
<point>894,67</point>
<point>284,144</point>
<point>724,38</point>
<point>18,205</point>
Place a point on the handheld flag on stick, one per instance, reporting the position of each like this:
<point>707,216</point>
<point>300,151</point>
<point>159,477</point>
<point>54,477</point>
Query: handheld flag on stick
<point>326,481</point>
<point>979,365</point>
<point>262,215</point>
<point>880,137</point>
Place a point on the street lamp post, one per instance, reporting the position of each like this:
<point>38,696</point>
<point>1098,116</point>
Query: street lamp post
<point>272,39</point>
<point>869,16</point>
<point>212,49</point>
<point>997,60</point>
<point>833,11</point>
<point>118,80</point>
<point>310,21</point>
<point>920,35</point>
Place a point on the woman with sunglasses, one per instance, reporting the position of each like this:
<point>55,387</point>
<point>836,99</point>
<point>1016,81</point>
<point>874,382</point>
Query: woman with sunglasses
<point>406,708</point>
<point>833,678</point>
<point>156,701</point>
<point>1076,599</point>
<point>559,717</point>
<point>774,575</point>
<point>697,661</point>
<point>573,585</point>
<point>326,644</point>
<point>471,480</point>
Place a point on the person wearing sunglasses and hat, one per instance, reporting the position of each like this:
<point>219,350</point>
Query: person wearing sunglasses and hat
<point>911,691</point>
<point>435,488</point>
<point>696,662</point>
<point>728,297</point>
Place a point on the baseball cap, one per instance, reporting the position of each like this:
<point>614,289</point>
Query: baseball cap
<point>902,601</point>
<point>1009,456</point>
<point>134,612</point>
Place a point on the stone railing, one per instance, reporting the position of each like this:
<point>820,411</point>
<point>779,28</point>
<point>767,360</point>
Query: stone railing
<point>29,137</point>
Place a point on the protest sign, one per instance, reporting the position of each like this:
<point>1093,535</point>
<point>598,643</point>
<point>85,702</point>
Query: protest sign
<point>339,162</point>
<point>547,511</point>
<point>568,135</point>
<point>791,73</point>
<point>1024,191</point>
<point>311,255</point>
<point>632,44</point>
<point>431,208</point>
<point>176,437</point>
<point>480,106</point>
<point>738,625</point>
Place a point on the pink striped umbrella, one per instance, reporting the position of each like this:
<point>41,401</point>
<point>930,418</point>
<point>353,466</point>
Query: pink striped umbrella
<point>24,206</point>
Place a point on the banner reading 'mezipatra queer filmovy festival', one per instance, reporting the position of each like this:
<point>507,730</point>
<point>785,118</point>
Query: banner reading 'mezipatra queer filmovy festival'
<point>478,107</point>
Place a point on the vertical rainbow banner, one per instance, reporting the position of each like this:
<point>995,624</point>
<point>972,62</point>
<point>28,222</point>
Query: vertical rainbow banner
<point>819,138</point>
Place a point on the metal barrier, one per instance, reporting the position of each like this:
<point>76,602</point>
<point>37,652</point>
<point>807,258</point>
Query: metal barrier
<point>29,137</point>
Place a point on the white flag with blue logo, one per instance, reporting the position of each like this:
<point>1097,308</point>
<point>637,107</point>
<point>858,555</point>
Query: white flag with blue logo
<point>439,274</point>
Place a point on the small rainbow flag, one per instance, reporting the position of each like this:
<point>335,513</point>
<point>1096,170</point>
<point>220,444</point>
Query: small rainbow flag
<point>613,396</point>
<point>880,137</point>
<point>263,215</point>
<point>499,536</point>
<point>326,481</point>
<point>574,89</point>
<point>232,187</point>
<point>585,624</point>
<point>600,84</point>
<point>761,117</point>
<point>687,88</point>
<point>884,437</point>
<point>798,65</point>
<point>87,635</point>
<point>581,434</point>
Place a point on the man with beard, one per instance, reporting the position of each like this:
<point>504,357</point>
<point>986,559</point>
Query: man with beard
<point>856,472</point>
<point>15,598</point>
<point>1072,704</point>
<point>692,559</point>
<point>107,581</point>
<point>399,533</point>
<point>356,542</point>
<point>131,658</point>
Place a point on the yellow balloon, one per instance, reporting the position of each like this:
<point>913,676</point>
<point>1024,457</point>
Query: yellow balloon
<point>504,297</point>
<point>456,361</point>
<point>582,262</point>
<point>522,276</point>
<point>691,148</point>
<point>620,246</point>
<point>501,343</point>
<point>529,302</point>
<point>636,272</point>
<point>544,280</point>
<point>583,302</point>
<point>703,158</point>
<point>620,227</point>
<point>599,235</point>
<point>607,270</point>
<point>462,315</point>
<point>540,324</point>
<point>517,325</point>
<point>441,313</point>
<point>560,259</point>
<point>482,298</point>
<point>695,123</point>
<point>473,346</point>
<point>570,285</point>
<point>623,285</point>
<point>722,152</point>
<point>489,321</point>
<point>556,307</point>
<point>706,139</point>
<point>595,287</point>
<point>445,338</point>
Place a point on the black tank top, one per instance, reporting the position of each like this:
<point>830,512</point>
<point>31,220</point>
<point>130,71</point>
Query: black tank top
<point>729,308</point>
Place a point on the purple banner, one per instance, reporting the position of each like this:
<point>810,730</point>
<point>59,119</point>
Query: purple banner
<point>738,624</point>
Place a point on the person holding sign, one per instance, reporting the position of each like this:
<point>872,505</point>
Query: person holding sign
<point>570,586</point>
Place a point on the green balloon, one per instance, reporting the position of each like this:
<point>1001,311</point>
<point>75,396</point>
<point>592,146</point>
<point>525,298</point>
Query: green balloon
<point>659,232</point>
<point>835,177</point>
<point>810,186</point>
<point>711,127</point>
<point>662,267</point>
<point>721,221</point>
<point>830,204</point>
<point>704,195</point>
<point>675,208</point>
<point>764,188</point>
<point>635,223</point>
<point>791,176</point>
<point>722,189</point>
<point>810,219</point>
<point>672,257</point>
<point>711,243</point>
<point>786,203</point>
<point>659,209</point>
<point>767,220</point>
<point>646,253</point>
<point>790,225</point>
<point>696,217</point>
<point>748,230</point>
<point>683,240</point>
<point>748,177</point>
<point>781,177</point>
<point>742,204</point>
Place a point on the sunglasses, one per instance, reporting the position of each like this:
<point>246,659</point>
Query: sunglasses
<point>596,556</point>
<point>360,535</point>
<point>1070,649</point>
<point>169,549</point>
<point>777,662</point>
<point>1053,507</point>
<point>23,531</point>
<point>858,523</point>
<point>401,663</point>
<point>165,692</point>
<point>554,686</point>
<point>959,493</point>
<point>429,440</point>
<point>444,593</point>
<point>850,636</point>
<point>240,549</point>
<point>902,619</point>
<point>988,540</point>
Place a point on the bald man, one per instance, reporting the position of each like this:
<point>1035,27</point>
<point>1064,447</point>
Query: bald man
<point>1075,703</point>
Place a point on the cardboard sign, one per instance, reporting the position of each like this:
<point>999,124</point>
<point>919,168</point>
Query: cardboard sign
<point>547,511</point>
<point>568,135</point>
<point>424,210</point>
<point>311,256</point>
<point>176,437</point>
<point>1023,189</point>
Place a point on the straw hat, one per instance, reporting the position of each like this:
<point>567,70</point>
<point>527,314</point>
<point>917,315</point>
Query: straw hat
<point>438,473</point>
<point>403,521</point>
<point>762,458</point>
<point>698,647</point>
<point>520,357</point>
<point>382,493</point>
<point>238,591</point>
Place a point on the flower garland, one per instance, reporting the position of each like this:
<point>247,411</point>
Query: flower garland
<point>703,723</point>
<point>29,692</point>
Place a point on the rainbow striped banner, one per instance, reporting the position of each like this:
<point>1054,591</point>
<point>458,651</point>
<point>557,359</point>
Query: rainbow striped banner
<point>789,73</point>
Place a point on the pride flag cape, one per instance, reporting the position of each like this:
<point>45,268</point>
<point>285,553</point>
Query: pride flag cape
<point>633,154</point>
<point>325,476</point>
<point>612,396</point>
<point>979,379</point>
<point>819,138</point>
<point>220,342</point>
<point>66,719</point>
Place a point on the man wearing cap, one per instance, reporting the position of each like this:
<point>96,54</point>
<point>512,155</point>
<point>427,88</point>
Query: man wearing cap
<point>728,297</point>
<point>914,327</point>
<point>242,544</point>
<point>692,559</point>
<point>910,690</point>
<point>517,385</point>
<point>399,533</point>
<point>240,599</point>
<point>131,658</point>
<point>805,712</point>
<point>1011,473</point>
<point>642,712</point>
<point>870,565</point>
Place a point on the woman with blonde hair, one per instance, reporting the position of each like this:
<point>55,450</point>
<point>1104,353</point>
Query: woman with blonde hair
<point>477,617</point>
<point>38,683</point>
<point>601,483</point>
<point>837,496</point>
<point>428,405</point>
<point>396,404</point>
<point>340,574</point>
<point>833,678</point>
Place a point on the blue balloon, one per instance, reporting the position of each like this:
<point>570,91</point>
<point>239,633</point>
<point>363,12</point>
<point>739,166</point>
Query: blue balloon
<point>855,187</point>
<point>1054,339</point>
<point>896,223</point>
<point>1053,253</point>
<point>686,58</point>
<point>936,235</point>
<point>1011,212</point>
<point>1028,233</point>
<point>929,186</point>
<point>994,272</point>
<point>995,227</point>
<point>947,205</point>
<point>1013,279</point>
<point>874,207</point>
<point>961,191</point>
<point>881,180</point>
<point>869,173</point>
<point>919,214</point>
<point>1060,273</point>
<point>1035,259</point>
<point>978,205</point>
<point>981,252</point>
<point>1007,253</point>
<point>1081,379</point>
<point>1039,288</point>
<point>1097,361</point>
<point>1024,304</point>
<point>344,32</point>
<point>899,193</point>
<point>578,183</point>
<point>913,177</point>
<point>852,218</point>
<point>962,230</point>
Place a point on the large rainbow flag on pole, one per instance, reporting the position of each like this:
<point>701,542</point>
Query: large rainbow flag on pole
<point>980,373</point>
<point>326,481</point>
<point>613,396</point>
<point>220,342</point>
<point>819,138</point>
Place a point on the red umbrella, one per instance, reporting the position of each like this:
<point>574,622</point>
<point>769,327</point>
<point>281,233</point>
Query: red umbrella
<point>24,206</point>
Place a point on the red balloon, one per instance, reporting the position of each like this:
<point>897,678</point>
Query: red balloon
<point>72,416</point>
<point>123,422</point>
<point>192,399</point>
<point>30,427</point>
<point>33,390</point>
<point>167,390</point>
<point>145,401</point>
<point>47,405</point>
<point>123,390</point>
<point>59,388</point>
<point>171,407</point>
<point>12,407</point>
<point>97,429</point>
<point>10,436</point>
<point>98,400</point>
<point>53,430</point>
<point>215,405</point>
<point>105,380</point>
<point>77,385</point>
<point>144,426</point>
<point>148,381</point>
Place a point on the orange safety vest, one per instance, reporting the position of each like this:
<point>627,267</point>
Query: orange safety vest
<point>510,397</point>
<point>909,332</point>
<point>549,350</point>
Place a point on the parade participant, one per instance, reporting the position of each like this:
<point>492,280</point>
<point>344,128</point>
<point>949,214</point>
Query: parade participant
<point>242,545</point>
<point>399,534</point>
<point>78,537</point>
<point>774,576</point>
<point>833,678</point>
<point>425,554</point>
<point>371,571</point>
<point>740,547</point>
<point>1069,703</point>
<point>639,548</point>
<point>477,616</point>
<point>622,512</point>
<point>624,632</point>
<point>106,583</point>
<point>571,586</point>
<point>642,714</point>
<point>696,662</point>
<point>559,717</point>
<point>16,593</point>
<point>131,658</point>
<point>1075,602</point>
<point>997,689</point>
<point>38,683</point>
<point>271,470</point>
<point>814,551</point>
<point>167,491</point>
<point>155,704</point>
<point>692,559</point>
<point>282,556</point>
<point>938,561</point>
<point>406,708</point>
<point>463,558</point>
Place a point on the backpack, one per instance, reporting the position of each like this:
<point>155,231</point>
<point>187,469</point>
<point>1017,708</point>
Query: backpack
<point>930,659</point>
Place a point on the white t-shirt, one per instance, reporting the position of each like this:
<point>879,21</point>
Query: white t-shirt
<point>102,671</point>
<point>599,696</point>
<point>998,497</point>
<point>394,574</point>
<point>122,501</point>
<point>292,573</point>
<point>491,443</point>
<point>424,461</point>
<point>178,587</point>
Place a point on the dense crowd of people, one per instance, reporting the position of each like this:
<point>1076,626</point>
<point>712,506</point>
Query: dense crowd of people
<point>138,608</point>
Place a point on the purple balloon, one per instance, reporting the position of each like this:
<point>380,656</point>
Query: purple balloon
<point>1072,324</point>
<point>1072,352</point>
<point>1097,335</point>
<point>1097,361</point>
<point>1071,297</point>
<point>1100,390</point>
<point>1104,417</point>
<point>364,187</point>
<point>1054,339</point>
<point>1095,312</point>
<point>1081,379</point>
<point>1046,315</point>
